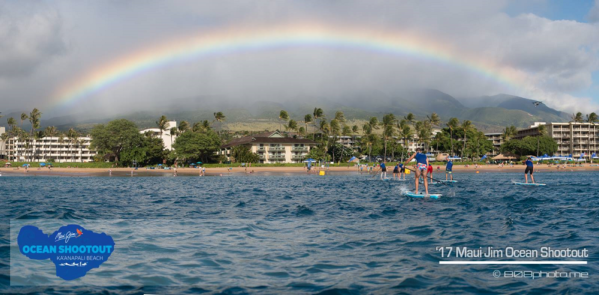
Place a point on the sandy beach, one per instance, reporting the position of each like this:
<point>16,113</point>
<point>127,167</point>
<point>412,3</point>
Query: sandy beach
<point>237,170</point>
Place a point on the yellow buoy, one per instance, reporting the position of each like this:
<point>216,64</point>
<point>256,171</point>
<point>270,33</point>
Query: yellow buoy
<point>321,173</point>
<point>407,171</point>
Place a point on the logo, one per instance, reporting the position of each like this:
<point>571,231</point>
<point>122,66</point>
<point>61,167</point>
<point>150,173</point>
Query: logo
<point>73,249</point>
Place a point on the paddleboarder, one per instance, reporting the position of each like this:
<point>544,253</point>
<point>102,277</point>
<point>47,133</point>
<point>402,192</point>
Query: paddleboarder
<point>448,169</point>
<point>383,170</point>
<point>402,171</point>
<point>529,169</point>
<point>396,171</point>
<point>422,165</point>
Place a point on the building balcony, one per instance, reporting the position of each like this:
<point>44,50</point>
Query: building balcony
<point>276,157</point>
<point>299,149</point>
<point>276,148</point>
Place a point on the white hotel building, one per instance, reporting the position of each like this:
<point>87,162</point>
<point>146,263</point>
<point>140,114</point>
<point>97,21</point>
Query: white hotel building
<point>63,150</point>
<point>44,149</point>
<point>166,134</point>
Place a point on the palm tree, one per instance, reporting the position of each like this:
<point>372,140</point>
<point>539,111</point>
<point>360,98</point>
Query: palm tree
<point>452,124</point>
<point>355,129</point>
<point>577,118</point>
<point>405,132</point>
<point>183,126</point>
<point>292,125</point>
<point>219,117</point>
<point>509,132</point>
<point>466,125</point>
<point>24,117</point>
<point>80,143</point>
<point>50,131</point>
<point>410,118</point>
<point>302,131</point>
<point>60,142</point>
<point>541,130</point>
<point>339,116</point>
<point>307,120</point>
<point>197,127</point>
<point>162,124</point>
<point>592,118</point>
<point>34,119</point>
<point>435,121</point>
<point>283,115</point>
<point>72,136</point>
<point>335,130</point>
<point>317,114</point>
<point>366,129</point>
<point>173,132</point>
<point>12,123</point>
<point>388,122</point>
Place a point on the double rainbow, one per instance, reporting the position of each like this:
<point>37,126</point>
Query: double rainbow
<point>249,39</point>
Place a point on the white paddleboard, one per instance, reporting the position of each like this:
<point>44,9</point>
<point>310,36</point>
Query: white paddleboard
<point>530,183</point>
<point>414,195</point>
<point>450,181</point>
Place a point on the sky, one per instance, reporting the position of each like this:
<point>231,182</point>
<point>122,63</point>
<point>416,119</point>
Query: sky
<point>121,56</point>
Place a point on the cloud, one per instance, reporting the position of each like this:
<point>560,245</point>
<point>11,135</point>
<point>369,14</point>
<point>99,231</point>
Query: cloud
<point>30,35</point>
<point>593,15</point>
<point>549,59</point>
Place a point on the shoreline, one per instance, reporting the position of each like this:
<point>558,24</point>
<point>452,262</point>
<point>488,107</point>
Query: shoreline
<point>238,171</point>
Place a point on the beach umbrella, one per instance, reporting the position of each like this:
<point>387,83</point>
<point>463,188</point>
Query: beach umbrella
<point>198,162</point>
<point>159,164</point>
<point>25,165</point>
<point>42,164</point>
<point>310,160</point>
<point>192,164</point>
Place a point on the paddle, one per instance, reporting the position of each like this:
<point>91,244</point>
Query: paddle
<point>443,182</point>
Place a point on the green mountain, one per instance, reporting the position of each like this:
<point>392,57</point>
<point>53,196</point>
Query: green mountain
<point>488,113</point>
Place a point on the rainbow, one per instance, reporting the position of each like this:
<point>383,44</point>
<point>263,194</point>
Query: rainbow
<point>251,38</point>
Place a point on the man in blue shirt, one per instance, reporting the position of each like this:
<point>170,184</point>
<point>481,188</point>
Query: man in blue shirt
<point>383,170</point>
<point>529,169</point>
<point>402,171</point>
<point>396,171</point>
<point>422,165</point>
<point>448,169</point>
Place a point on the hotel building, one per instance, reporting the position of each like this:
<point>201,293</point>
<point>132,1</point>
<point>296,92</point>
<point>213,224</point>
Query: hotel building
<point>497,140</point>
<point>166,134</point>
<point>571,138</point>
<point>60,150</point>
<point>272,147</point>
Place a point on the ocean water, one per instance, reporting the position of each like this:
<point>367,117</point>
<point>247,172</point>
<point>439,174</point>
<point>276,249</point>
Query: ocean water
<point>273,234</point>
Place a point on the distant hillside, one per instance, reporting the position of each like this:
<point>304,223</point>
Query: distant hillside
<point>488,113</point>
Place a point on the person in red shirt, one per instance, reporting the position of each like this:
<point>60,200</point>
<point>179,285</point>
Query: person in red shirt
<point>429,171</point>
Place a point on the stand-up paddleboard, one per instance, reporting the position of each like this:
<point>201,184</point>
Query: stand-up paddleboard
<point>414,195</point>
<point>386,179</point>
<point>449,181</point>
<point>530,183</point>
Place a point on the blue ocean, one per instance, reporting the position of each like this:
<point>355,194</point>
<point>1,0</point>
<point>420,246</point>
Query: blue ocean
<point>303,234</point>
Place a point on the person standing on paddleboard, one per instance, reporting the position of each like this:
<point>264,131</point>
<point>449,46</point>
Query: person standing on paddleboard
<point>529,169</point>
<point>448,169</point>
<point>402,171</point>
<point>383,170</point>
<point>422,165</point>
<point>396,171</point>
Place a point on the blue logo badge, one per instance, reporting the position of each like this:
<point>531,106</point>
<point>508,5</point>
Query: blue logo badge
<point>73,249</point>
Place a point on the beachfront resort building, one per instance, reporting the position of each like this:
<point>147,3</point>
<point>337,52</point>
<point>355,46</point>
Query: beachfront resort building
<point>497,140</point>
<point>2,144</point>
<point>573,138</point>
<point>272,147</point>
<point>166,136</point>
<point>59,150</point>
